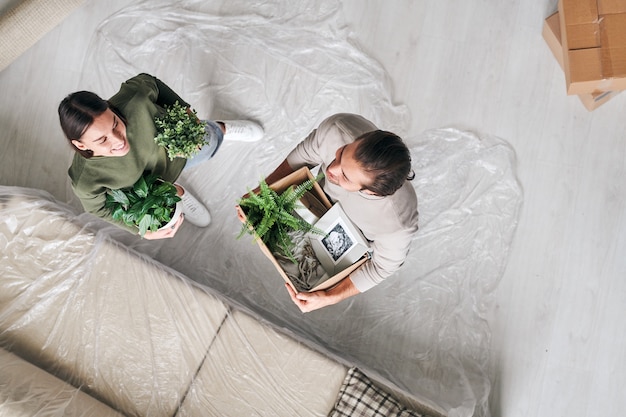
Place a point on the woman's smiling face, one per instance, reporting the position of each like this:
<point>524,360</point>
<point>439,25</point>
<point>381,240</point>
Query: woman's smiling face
<point>106,136</point>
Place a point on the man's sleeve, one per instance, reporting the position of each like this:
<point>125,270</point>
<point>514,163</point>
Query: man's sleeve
<point>320,145</point>
<point>388,255</point>
<point>309,151</point>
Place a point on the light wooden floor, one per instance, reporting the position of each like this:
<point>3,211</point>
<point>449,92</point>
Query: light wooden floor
<point>559,337</point>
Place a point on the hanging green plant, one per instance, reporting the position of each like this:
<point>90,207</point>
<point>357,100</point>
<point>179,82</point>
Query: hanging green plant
<point>179,132</point>
<point>271,217</point>
<point>148,205</point>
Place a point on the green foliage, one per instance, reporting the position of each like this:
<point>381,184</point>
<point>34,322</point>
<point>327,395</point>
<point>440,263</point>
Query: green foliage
<point>179,132</point>
<point>148,204</point>
<point>270,217</point>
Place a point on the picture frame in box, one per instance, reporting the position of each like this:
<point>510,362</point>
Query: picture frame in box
<point>317,202</point>
<point>343,243</point>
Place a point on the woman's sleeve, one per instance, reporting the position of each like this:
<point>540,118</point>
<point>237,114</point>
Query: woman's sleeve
<point>158,92</point>
<point>93,202</point>
<point>166,96</point>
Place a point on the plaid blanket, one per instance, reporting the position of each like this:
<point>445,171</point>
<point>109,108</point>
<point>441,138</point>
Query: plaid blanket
<point>359,397</point>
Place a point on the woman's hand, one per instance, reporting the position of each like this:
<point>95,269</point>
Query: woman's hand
<point>165,233</point>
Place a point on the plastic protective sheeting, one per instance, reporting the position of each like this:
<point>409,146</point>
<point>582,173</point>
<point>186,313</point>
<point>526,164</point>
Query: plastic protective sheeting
<point>90,327</point>
<point>28,391</point>
<point>289,65</point>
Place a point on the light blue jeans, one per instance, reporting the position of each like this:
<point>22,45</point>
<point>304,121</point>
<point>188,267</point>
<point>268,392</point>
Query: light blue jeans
<point>214,136</point>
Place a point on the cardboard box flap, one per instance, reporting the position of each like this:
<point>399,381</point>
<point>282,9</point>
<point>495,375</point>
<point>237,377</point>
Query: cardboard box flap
<point>614,45</point>
<point>611,6</point>
<point>581,23</point>
<point>578,12</point>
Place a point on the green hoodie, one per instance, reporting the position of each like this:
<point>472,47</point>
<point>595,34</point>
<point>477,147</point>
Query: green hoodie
<point>140,100</point>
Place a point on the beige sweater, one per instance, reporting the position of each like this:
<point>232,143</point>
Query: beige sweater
<point>389,223</point>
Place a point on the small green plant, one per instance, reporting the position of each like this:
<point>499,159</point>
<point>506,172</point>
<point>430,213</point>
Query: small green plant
<point>270,217</point>
<point>179,132</point>
<point>148,204</point>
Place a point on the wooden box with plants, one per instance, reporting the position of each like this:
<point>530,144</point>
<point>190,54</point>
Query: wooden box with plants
<point>282,218</point>
<point>150,204</point>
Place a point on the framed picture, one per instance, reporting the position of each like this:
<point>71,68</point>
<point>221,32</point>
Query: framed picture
<point>338,241</point>
<point>342,244</point>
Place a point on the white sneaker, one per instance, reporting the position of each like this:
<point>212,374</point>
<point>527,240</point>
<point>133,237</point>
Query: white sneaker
<point>242,130</point>
<point>194,211</point>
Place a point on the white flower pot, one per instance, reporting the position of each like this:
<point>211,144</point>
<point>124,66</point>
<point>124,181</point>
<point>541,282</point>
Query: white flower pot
<point>177,213</point>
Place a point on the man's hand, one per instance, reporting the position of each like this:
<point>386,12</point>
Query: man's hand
<point>309,301</point>
<point>240,214</point>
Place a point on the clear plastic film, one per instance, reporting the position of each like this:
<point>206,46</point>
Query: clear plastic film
<point>91,327</point>
<point>425,330</point>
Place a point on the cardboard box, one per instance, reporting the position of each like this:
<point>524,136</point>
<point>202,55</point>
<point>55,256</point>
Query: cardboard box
<point>593,38</point>
<point>312,202</point>
<point>552,35</point>
<point>611,6</point>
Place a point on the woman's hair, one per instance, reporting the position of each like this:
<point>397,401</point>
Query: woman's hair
<point>386,157</point>
<point>77,112</point>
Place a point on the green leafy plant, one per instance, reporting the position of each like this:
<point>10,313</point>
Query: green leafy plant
<point>179,132</point>
<point>271,217</point>
<point>148,204</point>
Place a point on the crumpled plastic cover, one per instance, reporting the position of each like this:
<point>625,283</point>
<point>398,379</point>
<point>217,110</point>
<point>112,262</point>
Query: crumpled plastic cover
<point>425,330</point>
<point>91,327</point>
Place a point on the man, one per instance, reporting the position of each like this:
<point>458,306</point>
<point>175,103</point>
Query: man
<point>368,172</point>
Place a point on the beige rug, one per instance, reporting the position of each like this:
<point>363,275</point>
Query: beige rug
<point>23,25</point>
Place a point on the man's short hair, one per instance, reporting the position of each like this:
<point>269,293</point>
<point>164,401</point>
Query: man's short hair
<point>384,156</point>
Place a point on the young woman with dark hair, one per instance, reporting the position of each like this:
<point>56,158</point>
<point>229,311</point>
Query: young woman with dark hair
<point>114,144</point>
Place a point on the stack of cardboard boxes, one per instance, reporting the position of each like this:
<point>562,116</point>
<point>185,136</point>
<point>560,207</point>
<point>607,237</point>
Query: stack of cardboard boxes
<point>588,39</point>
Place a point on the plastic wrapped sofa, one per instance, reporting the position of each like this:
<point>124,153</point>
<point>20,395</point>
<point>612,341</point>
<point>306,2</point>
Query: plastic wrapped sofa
<point>88,324</point>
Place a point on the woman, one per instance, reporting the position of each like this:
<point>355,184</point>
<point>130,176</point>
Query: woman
<point>114,144</point>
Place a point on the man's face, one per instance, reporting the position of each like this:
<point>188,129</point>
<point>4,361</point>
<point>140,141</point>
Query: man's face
<point>106,136</point>
<point>346,172</point>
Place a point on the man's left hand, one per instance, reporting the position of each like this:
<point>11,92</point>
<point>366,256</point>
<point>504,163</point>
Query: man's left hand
<point>309,301</point>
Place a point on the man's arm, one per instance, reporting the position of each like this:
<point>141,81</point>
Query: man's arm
<point>386,259</point>
<point>388,254</point>
<point>282,171</point>
<point>309,301</point>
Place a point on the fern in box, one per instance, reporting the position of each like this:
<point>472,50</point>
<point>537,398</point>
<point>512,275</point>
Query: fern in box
<point>271,217</point>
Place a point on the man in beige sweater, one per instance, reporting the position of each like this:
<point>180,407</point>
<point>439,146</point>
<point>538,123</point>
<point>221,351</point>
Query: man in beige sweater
<point>368,172</point>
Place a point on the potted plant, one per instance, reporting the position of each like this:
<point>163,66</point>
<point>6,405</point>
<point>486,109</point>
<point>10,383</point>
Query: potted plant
<point>180,132</point>
<point>271,216</point>
<point>150,204</point>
